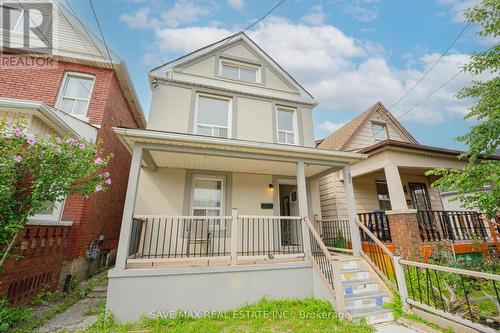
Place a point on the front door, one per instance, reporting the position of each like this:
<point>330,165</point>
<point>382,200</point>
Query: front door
<point>420,196</point>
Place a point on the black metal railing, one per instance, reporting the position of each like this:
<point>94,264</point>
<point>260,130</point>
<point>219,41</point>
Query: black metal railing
<point>335,233</point>
<point>135,235</point>
<point>378,224</point>
<point>182,237</point>
<point>379,255</point>
<point>469,295</point>
<point>269,235</point>
<point>450,225</point>
<point>321,258</point>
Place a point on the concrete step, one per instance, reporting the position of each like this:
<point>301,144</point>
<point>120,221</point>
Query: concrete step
<point>351,263</point>
<point>373,315</point>
<point>366,300</point>
<point>354,274</point>
<point>356,287</point>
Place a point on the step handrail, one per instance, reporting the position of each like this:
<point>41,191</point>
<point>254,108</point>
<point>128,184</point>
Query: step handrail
<point>448,269</point>
<point>315,234</point>
<point>374,238</point>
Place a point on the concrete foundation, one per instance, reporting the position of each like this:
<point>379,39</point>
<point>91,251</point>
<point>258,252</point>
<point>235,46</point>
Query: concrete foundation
<point>133,293</point>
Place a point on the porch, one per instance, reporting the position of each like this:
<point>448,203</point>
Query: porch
<point>204,201</point>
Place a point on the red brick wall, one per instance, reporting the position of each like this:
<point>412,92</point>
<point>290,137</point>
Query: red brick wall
<point>101,213</point>
<point>41,248</point>
<point>405,235</point>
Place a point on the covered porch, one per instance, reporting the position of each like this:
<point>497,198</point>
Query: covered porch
<point>204,201</point>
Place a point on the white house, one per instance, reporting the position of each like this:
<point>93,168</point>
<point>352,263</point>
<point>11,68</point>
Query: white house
<point>222,189</point>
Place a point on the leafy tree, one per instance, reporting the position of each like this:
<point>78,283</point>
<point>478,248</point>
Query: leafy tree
<point>36,171</point>
<point>483,139</point>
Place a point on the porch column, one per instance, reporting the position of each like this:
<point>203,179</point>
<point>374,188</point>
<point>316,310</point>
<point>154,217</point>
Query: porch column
<point>303,210</point>
<point>128,210</point>
<point>351,210</point>
<point>395,187</point>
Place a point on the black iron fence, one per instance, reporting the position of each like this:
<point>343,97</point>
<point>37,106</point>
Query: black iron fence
<point>335,233</point>
<point>180,237</point>
<point>269,235</point>
<point>450,225</point>
<point>378,224</point>
<point>470,297</point>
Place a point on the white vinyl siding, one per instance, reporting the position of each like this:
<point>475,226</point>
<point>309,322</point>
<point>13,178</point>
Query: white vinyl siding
<point>213,116</point>
<point>75,94</point>
<point>286,123</point>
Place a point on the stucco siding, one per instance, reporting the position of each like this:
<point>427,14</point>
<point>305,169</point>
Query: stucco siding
<point>307,127</point>
<point>240,51</point>
<point>170,107</point>
<point>160,192</point>
<point>249,191</point>
<point>205,67</point>
<point>254,120</point>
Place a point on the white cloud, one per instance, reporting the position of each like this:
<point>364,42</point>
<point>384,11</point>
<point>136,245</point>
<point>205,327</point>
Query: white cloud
<point>316,17</point>
<point>139,19</point>
<point>183,12</point>
<point>362,10</point>
<point>236,4</point>
<point>329,127</point>
<point>457,8</point>
<point>342,73</point>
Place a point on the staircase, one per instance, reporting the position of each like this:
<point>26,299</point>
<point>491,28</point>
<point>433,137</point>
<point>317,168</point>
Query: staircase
<point>364,293</point>
<point>357,289</point>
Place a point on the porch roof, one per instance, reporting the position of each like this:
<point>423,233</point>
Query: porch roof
<point>178,150</point>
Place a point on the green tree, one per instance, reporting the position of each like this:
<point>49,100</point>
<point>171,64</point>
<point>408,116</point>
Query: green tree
<point>37,171</point>
<point>482,139</point>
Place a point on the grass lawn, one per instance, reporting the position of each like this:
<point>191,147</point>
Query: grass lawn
<point>308,315</point>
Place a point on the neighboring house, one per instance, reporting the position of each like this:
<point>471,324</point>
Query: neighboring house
<point>223,183</point>
<point>392,179</point>
<point>83,96</point>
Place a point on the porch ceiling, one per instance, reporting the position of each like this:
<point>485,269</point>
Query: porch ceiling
<point>231,164</point>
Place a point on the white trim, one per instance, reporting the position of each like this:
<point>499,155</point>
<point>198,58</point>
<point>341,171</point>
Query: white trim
<point>62,87</point>
<point>55,216</point>
<point>222,207</point>
<point>240,64</point>
<point>281,108</point>
<point>229,114</point>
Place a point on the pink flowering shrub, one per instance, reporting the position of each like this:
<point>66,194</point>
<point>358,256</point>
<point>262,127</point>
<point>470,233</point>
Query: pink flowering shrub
<point>36,171</point>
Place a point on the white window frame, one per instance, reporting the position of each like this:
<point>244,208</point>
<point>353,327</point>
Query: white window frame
<point>62,88</point>
<point>54,217</point>
<point>234,63</point>
<point>214,127</point>
<point>374,123</point>
<point>222,207</point>
<point>280,108</point>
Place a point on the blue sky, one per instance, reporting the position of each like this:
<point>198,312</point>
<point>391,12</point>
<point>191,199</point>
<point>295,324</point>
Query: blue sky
<point>348,54</point>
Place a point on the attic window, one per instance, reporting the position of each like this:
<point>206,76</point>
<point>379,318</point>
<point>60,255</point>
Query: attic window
<point>239,71</point>
<point>380,132</point>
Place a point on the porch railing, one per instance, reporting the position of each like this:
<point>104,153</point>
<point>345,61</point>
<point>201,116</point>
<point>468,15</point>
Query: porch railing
<point>450,225</point>
<point>269,235</point>
<point>223,237</point>
<point>179,236</point>
<point>335,233</point>
<point>378,224</point>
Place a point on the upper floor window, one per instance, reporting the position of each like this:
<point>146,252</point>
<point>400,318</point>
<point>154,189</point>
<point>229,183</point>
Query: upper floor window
<point>51,213</point>
<point>240,71</point>
<point>213,116</point>
<point>75,94</point>
<point>286,125</point>
<point>379,132</point>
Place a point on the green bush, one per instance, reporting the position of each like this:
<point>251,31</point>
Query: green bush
<point>9,315</point>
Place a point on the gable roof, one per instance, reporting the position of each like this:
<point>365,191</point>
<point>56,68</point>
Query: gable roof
<point>339,139</point>
<point>161,70</point>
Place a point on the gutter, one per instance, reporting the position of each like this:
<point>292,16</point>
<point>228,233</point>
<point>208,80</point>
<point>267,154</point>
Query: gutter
<point>195,139</point>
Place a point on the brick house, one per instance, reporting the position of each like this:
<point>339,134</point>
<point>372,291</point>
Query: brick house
<point>84,94</point>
